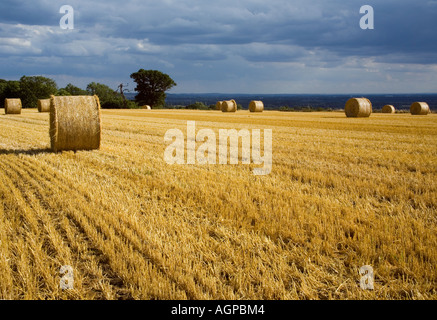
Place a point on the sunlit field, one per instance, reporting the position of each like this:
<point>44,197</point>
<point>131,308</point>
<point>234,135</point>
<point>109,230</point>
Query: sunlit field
<point>342,193</point>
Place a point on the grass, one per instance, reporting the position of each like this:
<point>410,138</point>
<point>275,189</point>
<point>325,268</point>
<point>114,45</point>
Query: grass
<point>342,193</point>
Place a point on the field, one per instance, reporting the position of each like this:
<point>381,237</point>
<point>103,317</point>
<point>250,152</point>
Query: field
<point>342,193</point>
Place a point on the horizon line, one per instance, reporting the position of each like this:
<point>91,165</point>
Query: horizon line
<point>242,93</point>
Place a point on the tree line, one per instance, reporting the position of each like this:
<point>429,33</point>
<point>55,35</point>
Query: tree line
<point>151,87</point>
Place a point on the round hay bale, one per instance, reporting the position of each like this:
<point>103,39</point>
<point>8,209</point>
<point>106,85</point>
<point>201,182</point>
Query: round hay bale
<point>388,109</point>
<point>75,123</point>
<point>147,107</point>
<point>12,106</point>
<point>358,108</point>
<point>229,106</point>
<point>256,106</point>
<point>44,105</point>
<point>419,108</point>
<point>218,105</point>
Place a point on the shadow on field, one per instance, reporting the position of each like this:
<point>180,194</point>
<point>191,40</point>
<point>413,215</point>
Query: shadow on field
<point>29,152</point>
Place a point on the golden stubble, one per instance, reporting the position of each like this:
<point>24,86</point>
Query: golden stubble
<point>342,193</point>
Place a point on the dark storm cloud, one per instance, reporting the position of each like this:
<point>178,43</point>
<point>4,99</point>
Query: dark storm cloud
<point>250,37</point>
<point>29,12</point>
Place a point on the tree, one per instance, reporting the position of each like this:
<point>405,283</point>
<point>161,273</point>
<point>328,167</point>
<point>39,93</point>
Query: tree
<point>108,97</point>
<point>2,85</point>
<point>75,91</point>
<point>9,89</point>
<point>151,87</point>
<point>62,92</point>
<point>34,88</point>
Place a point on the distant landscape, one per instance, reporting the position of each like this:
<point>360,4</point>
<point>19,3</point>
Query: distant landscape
<point>276,101</point>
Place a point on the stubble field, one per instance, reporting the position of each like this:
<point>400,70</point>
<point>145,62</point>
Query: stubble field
<point>342,193</point>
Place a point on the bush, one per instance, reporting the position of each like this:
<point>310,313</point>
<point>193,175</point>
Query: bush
<point>75,91</point>
<point>34,88</point>
<point>286,108</point>
<point>197,106</point>
<point>9,89</point>
<point>63,92</point>
<point>108,98</point>
<point>132,104</point>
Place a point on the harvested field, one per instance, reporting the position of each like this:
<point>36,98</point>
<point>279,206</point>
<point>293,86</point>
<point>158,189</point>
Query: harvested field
<point>342,193</point>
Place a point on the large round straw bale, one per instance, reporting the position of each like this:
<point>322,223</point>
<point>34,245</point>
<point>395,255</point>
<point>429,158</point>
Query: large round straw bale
<point>256,106</point>
<point>358,107</point>
<point>75,123</point>
<point>419,108</point>
<point>229,106</point>
<point>218,105</point>
<point>388,109</point>
<point>44,105</point>
<point>12,106</point>
<point>147,107</point>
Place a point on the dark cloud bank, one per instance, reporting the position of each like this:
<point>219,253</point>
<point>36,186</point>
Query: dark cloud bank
<point>274,46</point>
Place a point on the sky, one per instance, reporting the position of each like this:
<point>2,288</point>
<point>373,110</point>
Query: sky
<point>226,46</point>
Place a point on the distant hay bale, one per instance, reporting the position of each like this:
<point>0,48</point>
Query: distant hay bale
<point>358,108</point>
<point>256,106</point>
<point>229,106</point>
<point>12,106</point>
<point>147,107</point>
<point>388,109</point>
<point>75,123</point>
<point>419,108</point>
<point>218,105</point>
<point>44,105</point>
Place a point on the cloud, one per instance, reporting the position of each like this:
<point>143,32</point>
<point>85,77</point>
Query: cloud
<point>253,44</point>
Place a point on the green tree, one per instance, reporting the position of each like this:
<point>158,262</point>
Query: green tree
<point>151,87</point>
<point>75,91</point>
<point>9,89</point>
<point>34,88</point>
<point>2,85</point>
<point>108,98</point>
<point>63,92</point>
